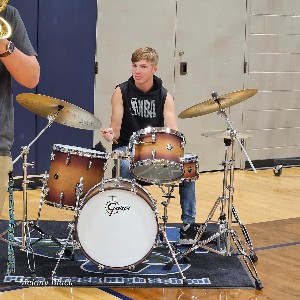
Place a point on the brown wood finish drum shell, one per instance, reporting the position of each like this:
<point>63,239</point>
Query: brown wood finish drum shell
<point>156,155</point>
<point>68,165</point>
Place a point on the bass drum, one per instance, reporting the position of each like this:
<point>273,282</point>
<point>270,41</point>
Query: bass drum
<point>117,224</point>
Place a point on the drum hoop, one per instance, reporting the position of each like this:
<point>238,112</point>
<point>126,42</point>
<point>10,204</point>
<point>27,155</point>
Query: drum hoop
<point>104,181</point>
<point>149,130</point>
<point>90,153</point>
<point>189,157</point>
<point>147,162</point>
<point>134,139</point>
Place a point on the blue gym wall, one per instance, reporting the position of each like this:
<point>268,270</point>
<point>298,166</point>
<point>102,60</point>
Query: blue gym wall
<point>63,32</point>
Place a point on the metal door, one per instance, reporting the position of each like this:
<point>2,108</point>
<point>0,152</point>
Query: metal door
<point>122,27</point>
<point>211,34</point>
<point>210,41</point>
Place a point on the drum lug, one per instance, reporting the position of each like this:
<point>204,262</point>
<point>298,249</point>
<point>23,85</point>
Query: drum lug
<point>153,153</point>
<point>68,159</point>
<point>105,166</point>
<point>90,162</point>
<point>182,144</point>
<point>153,138</point>
<point>169,147</point>
<point>52,156</point>
<point>101,186</point>
<point>133,186</point>
<point>131,267</point>
<point>61,198</point>
<point>101,267</point>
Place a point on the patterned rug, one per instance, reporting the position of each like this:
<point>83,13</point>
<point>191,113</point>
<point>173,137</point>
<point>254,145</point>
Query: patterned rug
<point>53,258</point>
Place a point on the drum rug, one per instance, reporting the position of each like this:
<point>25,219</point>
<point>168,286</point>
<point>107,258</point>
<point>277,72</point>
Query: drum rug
<point>53,259</point>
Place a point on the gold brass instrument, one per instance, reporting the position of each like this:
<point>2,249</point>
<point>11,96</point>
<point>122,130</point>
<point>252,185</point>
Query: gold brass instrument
<point>5,29</point>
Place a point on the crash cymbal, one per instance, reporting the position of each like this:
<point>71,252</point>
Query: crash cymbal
<point>213,104</point>
<point>224,134</point>
<point>69,114</point>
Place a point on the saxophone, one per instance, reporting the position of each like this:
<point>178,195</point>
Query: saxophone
<point>5,29</point>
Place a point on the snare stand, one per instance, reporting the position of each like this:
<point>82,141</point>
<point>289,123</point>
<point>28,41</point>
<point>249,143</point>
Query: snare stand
<point>225,231</point>
<point>64,250</point>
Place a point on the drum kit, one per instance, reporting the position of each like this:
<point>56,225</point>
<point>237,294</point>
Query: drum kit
<point>120,210</point>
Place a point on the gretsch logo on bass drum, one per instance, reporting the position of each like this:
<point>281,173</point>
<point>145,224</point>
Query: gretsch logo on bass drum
<point>113,207</point>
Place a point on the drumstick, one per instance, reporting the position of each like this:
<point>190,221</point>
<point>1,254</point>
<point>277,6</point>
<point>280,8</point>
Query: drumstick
<point>114,140</point>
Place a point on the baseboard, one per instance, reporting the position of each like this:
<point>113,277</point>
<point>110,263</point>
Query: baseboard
<point>35,182</point>
<point>270,163</point>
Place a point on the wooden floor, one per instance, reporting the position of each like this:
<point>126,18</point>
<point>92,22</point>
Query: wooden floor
<point>268,205</point>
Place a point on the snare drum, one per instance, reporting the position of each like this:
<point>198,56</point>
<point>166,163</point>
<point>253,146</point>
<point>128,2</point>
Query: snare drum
<point>190,167</point>
<point>156,154</point>
<point>68,165</point>
<point>117,224</point>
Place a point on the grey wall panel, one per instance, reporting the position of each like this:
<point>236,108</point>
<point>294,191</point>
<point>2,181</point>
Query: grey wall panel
<point>276,81</point>
<point>274,43</point>
<point>271,138</point>
<point>275,153</point>
<point>279,24</point>
<point>271,119</point>
<point>274,62</point>
<point>273,65</point>
<point>275,7</point>
<point>274,100</point>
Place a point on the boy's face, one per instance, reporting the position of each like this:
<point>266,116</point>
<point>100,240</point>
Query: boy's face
<point>142,71</point>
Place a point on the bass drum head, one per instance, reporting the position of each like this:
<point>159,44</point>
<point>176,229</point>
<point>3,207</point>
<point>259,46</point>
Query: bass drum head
<point>117,228</point>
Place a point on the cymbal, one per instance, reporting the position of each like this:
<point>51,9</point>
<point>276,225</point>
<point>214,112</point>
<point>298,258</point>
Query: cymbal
<point>225,134</point>
<point>68,114</point>
<point>212,105</point>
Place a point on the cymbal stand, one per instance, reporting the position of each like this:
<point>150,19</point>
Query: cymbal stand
<point>24,154</point>
<point>225,230</point>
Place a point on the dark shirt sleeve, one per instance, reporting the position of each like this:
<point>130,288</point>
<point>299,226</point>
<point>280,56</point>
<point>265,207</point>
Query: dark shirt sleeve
<point>19,33</point>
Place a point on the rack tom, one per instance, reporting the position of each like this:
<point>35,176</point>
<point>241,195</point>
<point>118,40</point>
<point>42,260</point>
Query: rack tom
<point>190,167</point>
<point>156,153</point>
<point>68,165</point>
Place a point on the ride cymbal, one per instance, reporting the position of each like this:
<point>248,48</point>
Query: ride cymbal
<point>67,113</point>
<point>225,134</point>
<point>217,103</point>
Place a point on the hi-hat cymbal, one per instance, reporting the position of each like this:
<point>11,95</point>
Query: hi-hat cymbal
<point>68,114</point>
<point>224,134</point>
<point>215,104</point>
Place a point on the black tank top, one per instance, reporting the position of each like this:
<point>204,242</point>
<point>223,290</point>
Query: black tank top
<point>141,109</point>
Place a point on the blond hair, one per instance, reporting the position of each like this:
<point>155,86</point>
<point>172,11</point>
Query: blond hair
<point>147,53</point>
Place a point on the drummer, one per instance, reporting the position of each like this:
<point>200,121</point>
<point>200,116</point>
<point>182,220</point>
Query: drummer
<point>140,102</point>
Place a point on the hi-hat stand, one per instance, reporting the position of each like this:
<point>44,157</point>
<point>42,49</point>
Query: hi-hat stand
<point>225,231</point>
